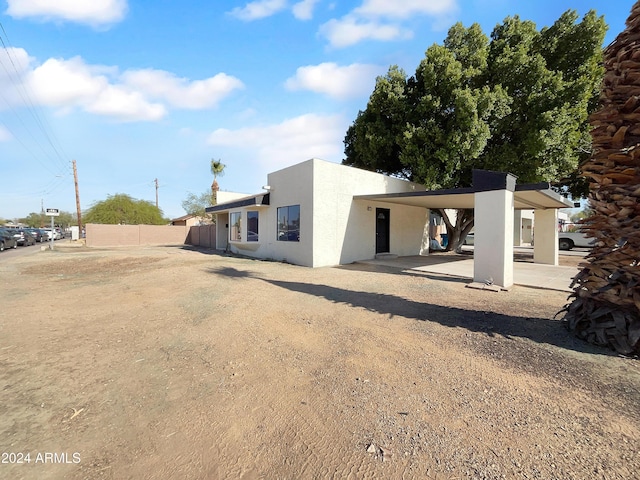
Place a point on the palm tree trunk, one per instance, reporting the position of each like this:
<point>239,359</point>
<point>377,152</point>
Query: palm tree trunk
<point>605,309</point>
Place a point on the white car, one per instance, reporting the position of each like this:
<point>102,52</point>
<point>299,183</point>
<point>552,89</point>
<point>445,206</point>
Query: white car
<point>56,234</point>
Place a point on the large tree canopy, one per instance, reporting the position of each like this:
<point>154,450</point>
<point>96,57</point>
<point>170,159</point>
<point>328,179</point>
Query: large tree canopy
<point>516,102</point>
<point>196,204</point>
<point>122,209</point>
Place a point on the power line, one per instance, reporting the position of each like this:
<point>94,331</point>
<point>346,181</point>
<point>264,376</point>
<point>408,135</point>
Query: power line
<point>40,120</point>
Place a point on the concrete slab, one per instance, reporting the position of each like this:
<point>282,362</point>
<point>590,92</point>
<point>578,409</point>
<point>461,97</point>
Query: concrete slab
<point>525,274</point>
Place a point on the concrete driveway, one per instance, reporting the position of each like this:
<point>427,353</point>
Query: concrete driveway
<point>461,265</point>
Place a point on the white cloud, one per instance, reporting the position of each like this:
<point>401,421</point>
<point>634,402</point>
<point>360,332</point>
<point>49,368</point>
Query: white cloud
<point>114,101</point>
<point>335,81</point>
<point>135,95</point>
<point>15,62</point>
<point>406,8</point>
<point>72,83</point>
<point>258,9</point>
<point>350,30</point>
<point>304,10</point>
<point>91,12</point>
<point>15,66</point>
<point>289,142</point>
<point>5,135</point>
<point>180,92</point>
<point>382,20</point>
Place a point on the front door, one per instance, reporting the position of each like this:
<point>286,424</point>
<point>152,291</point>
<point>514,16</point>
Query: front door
<point>382,230</point>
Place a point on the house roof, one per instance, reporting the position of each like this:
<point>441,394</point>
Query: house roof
<point>525,197</point>
<point>184,217</point>
<point>251,201</point>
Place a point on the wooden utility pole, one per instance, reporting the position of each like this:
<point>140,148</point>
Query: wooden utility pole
<point>78,211</point>
<point>156,180</point>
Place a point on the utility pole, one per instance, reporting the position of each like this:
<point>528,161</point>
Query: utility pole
<point>156,181</point>
<point>78,211</point>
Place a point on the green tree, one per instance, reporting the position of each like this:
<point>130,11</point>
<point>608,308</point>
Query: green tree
<point>517,102</point>
<point>217,169</point>
<point>122,209</point>
<point>36,220</point>
<point>196,204</point>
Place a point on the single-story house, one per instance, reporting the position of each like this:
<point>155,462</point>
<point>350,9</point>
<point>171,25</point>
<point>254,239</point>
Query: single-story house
<point>318,213</point>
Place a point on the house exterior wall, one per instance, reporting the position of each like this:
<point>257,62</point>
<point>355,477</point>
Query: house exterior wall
<point>224,196</point>
<point>345,230</point>
<point>334,228</point>
<point>522,227</point>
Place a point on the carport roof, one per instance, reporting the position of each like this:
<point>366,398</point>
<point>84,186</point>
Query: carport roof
<point>525,197</point>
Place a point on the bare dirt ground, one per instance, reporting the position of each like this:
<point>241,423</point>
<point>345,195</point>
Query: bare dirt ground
<point>166,363</point>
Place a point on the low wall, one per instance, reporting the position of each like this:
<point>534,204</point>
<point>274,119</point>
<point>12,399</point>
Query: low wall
<point>98,235</point>
<point>202,236</point>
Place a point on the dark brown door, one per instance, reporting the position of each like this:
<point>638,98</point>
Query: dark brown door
<point>382,230</point>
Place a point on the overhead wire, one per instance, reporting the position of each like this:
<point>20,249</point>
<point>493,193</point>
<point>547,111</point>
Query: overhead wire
<point>27,97</point>
<point>36,136</point>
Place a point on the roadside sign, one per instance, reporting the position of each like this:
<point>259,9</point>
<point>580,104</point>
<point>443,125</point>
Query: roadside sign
<point>53,212</point>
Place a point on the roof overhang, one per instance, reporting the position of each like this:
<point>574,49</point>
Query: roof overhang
<point>259,200</point>
<point>525,197</point>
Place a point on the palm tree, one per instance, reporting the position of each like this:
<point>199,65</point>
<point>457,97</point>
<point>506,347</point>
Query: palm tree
<point>217,169</point>
<point>605,309</point>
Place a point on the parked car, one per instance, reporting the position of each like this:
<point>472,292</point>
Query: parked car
<point>53,233</point>
<point>569,240</point>
<point>37,233</point>
<point>24,238</point>
<point>7,240</point>
<point>469,240</point>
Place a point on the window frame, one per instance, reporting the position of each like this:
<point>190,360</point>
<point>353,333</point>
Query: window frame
<point>288,234</point>
<point>256,214</point>
<point>232,226</point>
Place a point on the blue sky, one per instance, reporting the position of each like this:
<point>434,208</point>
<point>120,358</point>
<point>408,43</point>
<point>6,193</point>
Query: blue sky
<point>135,90</point>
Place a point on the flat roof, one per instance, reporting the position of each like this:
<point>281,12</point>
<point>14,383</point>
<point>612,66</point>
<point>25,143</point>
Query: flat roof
<point>251,201</point>
<point>525,197</point>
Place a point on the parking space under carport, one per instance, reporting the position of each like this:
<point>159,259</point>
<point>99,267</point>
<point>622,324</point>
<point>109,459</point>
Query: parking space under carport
<point>494,197</point>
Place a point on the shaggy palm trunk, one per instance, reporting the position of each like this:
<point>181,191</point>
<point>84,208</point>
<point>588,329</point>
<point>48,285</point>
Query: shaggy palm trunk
<point>606,300</point>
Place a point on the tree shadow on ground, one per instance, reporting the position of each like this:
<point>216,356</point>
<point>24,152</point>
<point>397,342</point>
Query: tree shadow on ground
<point>492,324</point>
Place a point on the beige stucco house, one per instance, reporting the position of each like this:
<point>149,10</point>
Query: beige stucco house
<point>318,213</point>
<point>308,216</point>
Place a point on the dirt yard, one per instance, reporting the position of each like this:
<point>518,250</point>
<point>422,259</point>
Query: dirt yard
<point>173,363</point>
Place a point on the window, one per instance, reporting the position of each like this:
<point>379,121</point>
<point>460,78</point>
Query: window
<point>235,222</point>
<point>252,226</point>
<point>289,223</point>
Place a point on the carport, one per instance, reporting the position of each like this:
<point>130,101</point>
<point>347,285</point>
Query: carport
<point>494,197</point>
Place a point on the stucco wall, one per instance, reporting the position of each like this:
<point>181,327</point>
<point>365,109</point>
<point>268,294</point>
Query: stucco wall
<point>346,228</point>
<point>334,228</point>
<point>98,235</point>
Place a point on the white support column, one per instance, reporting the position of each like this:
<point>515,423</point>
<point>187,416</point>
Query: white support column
<point>493,251</point>
<point>545,242</point>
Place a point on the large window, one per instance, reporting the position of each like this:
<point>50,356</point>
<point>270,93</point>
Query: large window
<point>252,226</point>
<point>235,227</point>
<point>289,223</point>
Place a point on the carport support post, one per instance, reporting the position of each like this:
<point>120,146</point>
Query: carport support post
<point>545,242</point>
<point>493,224</point>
